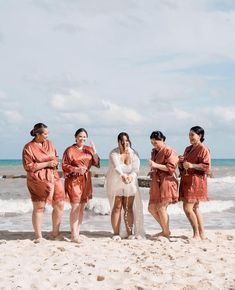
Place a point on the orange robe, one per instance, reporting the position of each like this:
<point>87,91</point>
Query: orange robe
<point>77,186</point>
<point>164,184</point>
<point>43,184</point>
<point>193,183</point>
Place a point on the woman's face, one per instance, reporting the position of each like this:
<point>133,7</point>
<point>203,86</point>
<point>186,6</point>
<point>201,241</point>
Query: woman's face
<point>194,138</point>
<point>157,144</point>
<point>43,136</point>
<point>81,139</point>
<point>124,143</point>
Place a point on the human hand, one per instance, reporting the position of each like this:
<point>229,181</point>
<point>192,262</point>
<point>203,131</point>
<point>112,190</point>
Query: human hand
<point>93,146</point>
<point>81,170</point>
<point>187,165</point>
<point>52,163</point>
<point>125,179</point>
<point>129,179</point>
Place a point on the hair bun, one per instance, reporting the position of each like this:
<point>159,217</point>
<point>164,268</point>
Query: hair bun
<point>32,133</point>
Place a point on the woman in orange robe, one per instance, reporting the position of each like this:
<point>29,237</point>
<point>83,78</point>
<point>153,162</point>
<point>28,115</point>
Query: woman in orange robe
<point>40,160</point>
<point>77,161</point>
<point>164,184</point>
<point>194,168</point>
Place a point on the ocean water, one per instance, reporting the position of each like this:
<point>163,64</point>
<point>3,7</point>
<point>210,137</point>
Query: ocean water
<point>16,206</point>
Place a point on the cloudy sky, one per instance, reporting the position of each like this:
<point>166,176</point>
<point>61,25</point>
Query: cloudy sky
<point>117,65</point>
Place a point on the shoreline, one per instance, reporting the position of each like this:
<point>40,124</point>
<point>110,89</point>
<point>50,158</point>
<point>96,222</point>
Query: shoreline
<point>99,262</point>
<point>143,181</point>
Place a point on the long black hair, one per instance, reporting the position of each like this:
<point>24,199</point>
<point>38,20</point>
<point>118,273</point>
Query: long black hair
<point>121,136</point>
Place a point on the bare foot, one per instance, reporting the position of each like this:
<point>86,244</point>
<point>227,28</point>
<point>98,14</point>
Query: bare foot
<point>202,236</point>
<point>75,240</point>
<point>39,240</point>
<point>197,237</point>
<point>116,238</point>
<point>162,234</point>
<point>157,235</point>
<point>131,237</point>
<point>58,238</point>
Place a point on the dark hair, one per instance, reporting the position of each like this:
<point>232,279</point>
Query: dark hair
<point>121,136</point>
<point>157,135</point>
<point>199,131</point>
<point>79,131</point>
<point>37,129</point>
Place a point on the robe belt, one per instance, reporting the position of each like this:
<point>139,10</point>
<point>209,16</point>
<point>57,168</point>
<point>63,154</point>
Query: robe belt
<point>75,175</point>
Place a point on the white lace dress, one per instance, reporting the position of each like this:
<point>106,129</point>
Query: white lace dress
<point>116,187</point>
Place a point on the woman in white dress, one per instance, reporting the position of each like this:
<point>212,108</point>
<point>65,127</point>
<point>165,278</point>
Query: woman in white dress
<point>123,191</point>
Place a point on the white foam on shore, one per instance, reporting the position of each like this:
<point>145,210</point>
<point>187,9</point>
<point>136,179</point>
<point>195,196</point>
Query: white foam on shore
<point>227,179</point>
<point>100,206</point>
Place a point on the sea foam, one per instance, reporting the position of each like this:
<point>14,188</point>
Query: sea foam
<point>100,206</point>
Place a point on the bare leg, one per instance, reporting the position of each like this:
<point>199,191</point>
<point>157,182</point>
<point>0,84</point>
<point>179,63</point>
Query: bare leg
<point>116,215</point>
<point>199,220</point>
<point>152,208</point>
<point>164,219</point>
<point>80,216</point>
<point>37,216</point>
<point>128,213</point>
<point>74,212</point>
<point>189,211</point>
<point>56,218</point>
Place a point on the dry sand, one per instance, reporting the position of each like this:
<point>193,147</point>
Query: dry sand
<point>99,262</point>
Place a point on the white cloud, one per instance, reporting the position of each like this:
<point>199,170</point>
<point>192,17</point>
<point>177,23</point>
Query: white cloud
<point>74,100</point>
<point>226,114</point>
<point>75,106</point>
<point>78,117</point>
<point>9,110</point>
<point>2,96</point>
<point>13,117</point>
<point>114,113</point>
<point>138,64</point>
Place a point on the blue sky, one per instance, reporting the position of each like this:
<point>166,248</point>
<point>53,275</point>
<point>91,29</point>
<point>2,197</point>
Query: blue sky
<point>112,66</point>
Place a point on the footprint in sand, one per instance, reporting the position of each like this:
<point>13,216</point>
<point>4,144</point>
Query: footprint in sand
<point>229,237</point>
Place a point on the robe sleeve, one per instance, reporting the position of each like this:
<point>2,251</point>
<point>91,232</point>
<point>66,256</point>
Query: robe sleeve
<point>95,158</point>
<point>114,158</point>
<point>66,163</point>
<point>171,161</point>
<point>135,166</point>
<point>29,164</point>
<point>204,160</point>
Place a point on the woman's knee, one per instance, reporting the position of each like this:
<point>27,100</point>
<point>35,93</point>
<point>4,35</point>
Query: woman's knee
<point>39,209</point>
<point>196,206</point>
<point>74,207</point>
<point>128,210</point>
<point>59,206</point>
<point>151,208</point>
<point>188,210</point>
<point>117,208</point>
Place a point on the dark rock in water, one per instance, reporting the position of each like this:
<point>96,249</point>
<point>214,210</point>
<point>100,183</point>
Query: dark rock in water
<point>19,176</point>
<point>14,176</point>
<point>93,174</point>
<point>144,181</point>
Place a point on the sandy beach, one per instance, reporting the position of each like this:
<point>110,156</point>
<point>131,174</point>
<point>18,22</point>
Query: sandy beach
<point>99,262</point>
